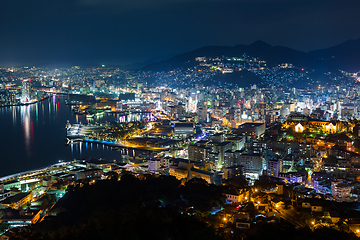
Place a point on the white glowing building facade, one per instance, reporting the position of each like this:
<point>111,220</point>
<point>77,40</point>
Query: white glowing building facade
<point>25,92</point>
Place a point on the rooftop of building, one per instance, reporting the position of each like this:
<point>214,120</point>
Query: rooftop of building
<point>98,161</point>
<point>232,191</point>
<point>251,154</point>
<point>15,198</point>
<point>91,170</point>
<point>12,214</point>
<point>221,143</point>
<point>190,125</point>
<point>202,172</point>
<point>10,182</point>
<point>248,125</point>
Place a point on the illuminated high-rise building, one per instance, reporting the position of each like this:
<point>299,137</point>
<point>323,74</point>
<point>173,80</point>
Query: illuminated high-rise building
<point>202,112</point>
<point>25,92</point>
<point>192,104</point>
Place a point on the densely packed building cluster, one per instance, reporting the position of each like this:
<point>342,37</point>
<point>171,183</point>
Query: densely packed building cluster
<point>304,138</point>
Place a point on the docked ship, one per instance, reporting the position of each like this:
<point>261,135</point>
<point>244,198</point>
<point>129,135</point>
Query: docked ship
<point>73,133</point>
<point>68,126</point>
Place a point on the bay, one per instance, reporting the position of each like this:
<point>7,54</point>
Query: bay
<point>33,136</point>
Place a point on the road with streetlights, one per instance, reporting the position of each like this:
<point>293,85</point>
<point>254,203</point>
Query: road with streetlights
<point>282,213</point>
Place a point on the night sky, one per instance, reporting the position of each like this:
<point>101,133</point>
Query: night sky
<point>128,31</point>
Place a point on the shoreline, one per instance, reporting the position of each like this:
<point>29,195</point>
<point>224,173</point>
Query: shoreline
<point>120,145</point>
<point>4,178</point>
<point>24,104</point>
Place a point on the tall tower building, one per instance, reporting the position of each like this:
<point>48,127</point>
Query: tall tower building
<point>202,112</point>
<point>25,91</point>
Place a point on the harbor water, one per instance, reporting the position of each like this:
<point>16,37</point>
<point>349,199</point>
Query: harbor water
<point>33,136</point>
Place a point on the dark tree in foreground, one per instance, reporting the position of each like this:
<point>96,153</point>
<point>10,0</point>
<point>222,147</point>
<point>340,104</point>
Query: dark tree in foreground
<point>125,209</point>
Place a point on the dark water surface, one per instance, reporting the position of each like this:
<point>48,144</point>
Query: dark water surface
<point>33,136</point>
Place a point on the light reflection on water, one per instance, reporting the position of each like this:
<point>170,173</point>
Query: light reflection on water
<point>35,136</point>
<point>25,116</point>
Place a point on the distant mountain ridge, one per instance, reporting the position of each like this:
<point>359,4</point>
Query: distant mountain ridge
<point>345,56</point>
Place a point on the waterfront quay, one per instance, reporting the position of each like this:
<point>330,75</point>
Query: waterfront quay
<point>111,134</point>
<point>33,101</point>
<point>30,195</point>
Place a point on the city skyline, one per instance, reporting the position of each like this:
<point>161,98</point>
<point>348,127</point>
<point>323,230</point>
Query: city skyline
<point>119,32</point>
<point>234,138</point>
<point>187,119</point>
